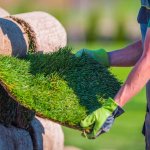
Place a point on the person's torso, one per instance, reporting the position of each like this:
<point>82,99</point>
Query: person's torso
<point>145,3</point>
<point>144,13</point>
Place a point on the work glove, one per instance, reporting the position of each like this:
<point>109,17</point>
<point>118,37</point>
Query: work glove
<point>100,55</point>
<point>102,119</point>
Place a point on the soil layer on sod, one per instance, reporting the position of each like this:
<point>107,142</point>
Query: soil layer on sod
<point>56,86</point>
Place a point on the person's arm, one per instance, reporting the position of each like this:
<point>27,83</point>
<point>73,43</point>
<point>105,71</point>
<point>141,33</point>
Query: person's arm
<point>103,118</point>
<point>124,57</point>
<point>127,56</point>
<point>138,76</point>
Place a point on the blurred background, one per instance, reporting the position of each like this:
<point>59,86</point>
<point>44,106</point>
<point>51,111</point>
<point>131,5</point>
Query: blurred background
<point>93,24</point>
<point>86,20</point>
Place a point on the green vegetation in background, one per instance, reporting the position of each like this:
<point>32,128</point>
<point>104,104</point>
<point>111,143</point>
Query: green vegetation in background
<point>93,20</point>
<point>123,9</point>
<point>58,86</point>
<point>119,10</point>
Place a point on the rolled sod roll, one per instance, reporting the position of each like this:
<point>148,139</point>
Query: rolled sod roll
<point>45,32</point>
<point>34,32</point>
<point>3,13</point>
<point>57,86</point>
<point>46,135</point>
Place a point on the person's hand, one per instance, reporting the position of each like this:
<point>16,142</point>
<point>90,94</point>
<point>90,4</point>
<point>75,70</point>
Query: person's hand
<point>102,119</point>
<point>99,55</point>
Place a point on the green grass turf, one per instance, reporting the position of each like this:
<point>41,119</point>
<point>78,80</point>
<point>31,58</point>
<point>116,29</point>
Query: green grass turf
<point>58,86</point>
<point>126,131</point>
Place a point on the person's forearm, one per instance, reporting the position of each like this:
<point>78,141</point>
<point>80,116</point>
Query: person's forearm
<point>134,83</point>
<point>127,56</point>
<point>138,76</point>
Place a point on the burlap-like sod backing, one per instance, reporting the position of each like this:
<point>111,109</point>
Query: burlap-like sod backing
<point>13,39</point>
<point>3,13</point>
<point>47,33</point>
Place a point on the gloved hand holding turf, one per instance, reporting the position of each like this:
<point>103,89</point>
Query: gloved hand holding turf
<point>99,55</point>
<point>102,119</point>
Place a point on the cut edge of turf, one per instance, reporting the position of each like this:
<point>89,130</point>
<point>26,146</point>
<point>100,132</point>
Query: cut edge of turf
<point>6,88</point>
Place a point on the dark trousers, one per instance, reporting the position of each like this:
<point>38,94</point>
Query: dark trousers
<point>146,131</point>
<point>146,128</point>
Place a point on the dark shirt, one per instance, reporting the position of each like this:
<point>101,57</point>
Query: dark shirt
<point>144,13</point>
<point>145,3</point>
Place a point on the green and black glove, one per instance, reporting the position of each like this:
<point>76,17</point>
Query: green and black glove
<point>99,55</point>
<point>102,119</point>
